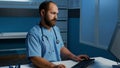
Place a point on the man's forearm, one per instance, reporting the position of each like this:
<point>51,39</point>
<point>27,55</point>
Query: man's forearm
<point>67,53</point>
<point>41,62</point>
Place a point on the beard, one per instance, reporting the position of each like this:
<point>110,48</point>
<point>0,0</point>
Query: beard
<point>50,23</point>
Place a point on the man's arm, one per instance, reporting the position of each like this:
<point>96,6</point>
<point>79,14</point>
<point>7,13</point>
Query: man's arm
<point>42,63</point>
<point>69,55</point>
<point>66,53</point>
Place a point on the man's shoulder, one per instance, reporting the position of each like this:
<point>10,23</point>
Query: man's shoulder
<point>34,30</point>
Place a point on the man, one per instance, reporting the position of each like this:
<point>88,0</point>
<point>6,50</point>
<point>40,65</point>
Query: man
<point>44,42</point>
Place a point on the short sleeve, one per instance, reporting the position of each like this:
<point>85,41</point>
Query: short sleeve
<point>33,45</point>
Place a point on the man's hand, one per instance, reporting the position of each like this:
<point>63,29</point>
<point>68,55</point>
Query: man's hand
<point>80,57</point>
<point>59,66</point>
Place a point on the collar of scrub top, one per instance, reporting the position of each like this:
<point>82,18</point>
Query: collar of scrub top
<point>57,41</point>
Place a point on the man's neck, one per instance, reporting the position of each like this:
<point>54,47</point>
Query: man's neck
<point>44,25</point>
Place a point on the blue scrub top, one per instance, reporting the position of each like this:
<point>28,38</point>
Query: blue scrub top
<point>46,48</point>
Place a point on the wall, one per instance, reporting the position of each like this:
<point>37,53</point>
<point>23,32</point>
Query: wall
<point>15,24</point>
<point>18,18</point>
<point>74,35</point>
<point>78,48</point>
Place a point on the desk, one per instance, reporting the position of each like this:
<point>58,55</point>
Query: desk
<point>100,62</point>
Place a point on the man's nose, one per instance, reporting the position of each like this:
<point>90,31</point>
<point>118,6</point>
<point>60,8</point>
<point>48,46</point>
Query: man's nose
<point>56,16</point>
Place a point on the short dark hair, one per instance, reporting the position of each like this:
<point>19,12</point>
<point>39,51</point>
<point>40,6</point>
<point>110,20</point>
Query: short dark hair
<point>45,5</point>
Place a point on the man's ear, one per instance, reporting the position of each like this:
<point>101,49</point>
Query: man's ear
<point>42,12</point>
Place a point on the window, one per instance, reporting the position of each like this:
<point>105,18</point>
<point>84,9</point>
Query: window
<point>97,22</point>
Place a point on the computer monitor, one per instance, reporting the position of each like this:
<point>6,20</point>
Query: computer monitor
<point>114,46</point>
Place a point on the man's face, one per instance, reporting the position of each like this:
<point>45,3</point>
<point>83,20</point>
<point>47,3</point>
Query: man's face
<point>51,15</point>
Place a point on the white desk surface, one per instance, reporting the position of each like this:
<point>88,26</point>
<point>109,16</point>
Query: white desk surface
<point>100,62</point>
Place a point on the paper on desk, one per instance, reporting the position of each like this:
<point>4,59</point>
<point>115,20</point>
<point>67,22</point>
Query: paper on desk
<point>68,63</point>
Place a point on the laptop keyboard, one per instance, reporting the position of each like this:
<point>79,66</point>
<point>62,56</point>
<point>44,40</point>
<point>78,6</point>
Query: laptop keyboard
<point>84,63</point>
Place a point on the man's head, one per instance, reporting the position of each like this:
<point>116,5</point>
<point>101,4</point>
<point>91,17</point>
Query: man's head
<point>48,11</point>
